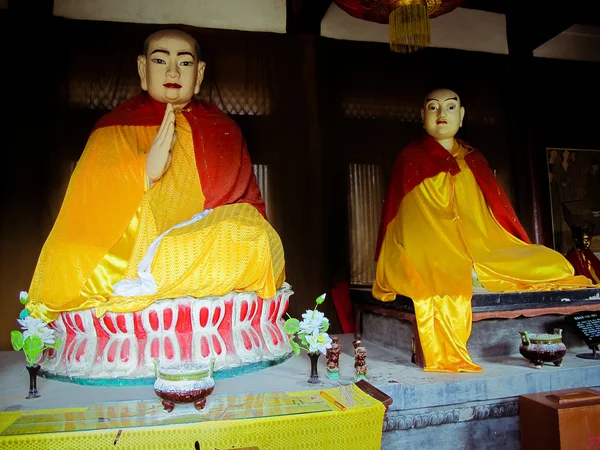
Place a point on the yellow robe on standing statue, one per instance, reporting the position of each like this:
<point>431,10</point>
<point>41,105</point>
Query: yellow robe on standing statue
<point>102,233</point>
<point>443,229</point>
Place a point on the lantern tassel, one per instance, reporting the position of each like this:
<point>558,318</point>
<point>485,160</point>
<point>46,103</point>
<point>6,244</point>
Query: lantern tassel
<point>409,25</point>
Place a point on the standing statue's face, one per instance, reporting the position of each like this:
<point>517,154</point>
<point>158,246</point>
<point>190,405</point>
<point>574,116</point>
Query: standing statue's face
<point>442,114</point>
<point>170,71</point>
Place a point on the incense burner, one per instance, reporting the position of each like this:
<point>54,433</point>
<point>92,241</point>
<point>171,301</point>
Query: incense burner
<point>543,347</point>
<point>184,383</point>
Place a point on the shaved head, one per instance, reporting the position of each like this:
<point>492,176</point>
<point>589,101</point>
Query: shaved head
<point>172,33</point>
<point>441,95</point>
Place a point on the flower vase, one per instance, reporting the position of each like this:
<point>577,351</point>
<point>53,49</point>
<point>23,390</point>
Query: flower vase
<point>314,376</point>
<point>33,373</point>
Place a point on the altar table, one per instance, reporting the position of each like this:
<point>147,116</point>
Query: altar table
<point>278,420</point>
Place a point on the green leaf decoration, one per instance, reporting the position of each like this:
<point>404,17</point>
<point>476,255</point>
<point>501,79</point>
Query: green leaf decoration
<point>303,340</point>
<point>30,360</point>
<point>324,327</point>
<point>295,346</point>
<point>24,313</point>
<point>56,344</point>
<point>291,326</point>
<point>321,299</point>
<point>16,339</point>
<point>32,347</point>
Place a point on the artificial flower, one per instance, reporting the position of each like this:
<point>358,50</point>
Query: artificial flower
<point>310,332</point>
<point>35,338</point>
<point>310,327</point>
<point>23,297</point>
<point>312,315</point>
<point>36,327</point>
<point>318,342</point>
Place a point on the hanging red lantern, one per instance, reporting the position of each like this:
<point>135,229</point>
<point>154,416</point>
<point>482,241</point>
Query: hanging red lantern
<point>408,19</point>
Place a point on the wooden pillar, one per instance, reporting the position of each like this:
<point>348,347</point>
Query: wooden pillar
<point>524,140</point>
<point>526,29</point>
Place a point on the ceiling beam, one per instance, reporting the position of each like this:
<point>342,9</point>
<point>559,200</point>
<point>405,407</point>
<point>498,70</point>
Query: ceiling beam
<point>305,16</point>
<point>496,6</point>
<point>32,7</point>
<point>527,29</point>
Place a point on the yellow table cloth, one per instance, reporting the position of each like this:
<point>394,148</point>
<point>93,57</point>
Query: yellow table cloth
<point>293,420</point>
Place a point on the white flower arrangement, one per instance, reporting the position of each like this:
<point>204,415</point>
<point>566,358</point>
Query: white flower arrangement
<point>311,331</point>
<point>36,336</point>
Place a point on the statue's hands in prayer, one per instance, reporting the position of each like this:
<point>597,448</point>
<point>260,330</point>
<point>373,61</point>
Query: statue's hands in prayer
<point>159,156</point>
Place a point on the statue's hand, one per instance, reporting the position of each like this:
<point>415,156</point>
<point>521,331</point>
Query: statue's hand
<point>159,156</point>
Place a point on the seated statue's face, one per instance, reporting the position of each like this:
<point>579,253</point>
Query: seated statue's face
<point>171,71</point>
<point>442,114</point>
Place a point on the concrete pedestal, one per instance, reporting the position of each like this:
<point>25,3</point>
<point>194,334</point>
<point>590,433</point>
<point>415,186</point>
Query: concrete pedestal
<point>429,410</point>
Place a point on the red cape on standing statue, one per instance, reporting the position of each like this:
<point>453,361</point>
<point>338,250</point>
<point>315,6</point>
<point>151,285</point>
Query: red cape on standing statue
<point>426,158</point>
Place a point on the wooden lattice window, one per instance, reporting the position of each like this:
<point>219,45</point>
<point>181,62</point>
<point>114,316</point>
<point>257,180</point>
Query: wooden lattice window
<point>262,178</point>
<point>239,100</point>
<point>379,108</point>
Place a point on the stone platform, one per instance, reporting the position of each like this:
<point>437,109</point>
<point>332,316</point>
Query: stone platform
<point>429,410</point>
<point>497,320</point>
<point>475,411</point>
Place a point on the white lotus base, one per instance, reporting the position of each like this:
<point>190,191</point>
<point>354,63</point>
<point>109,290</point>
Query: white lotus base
<point>236,330</point>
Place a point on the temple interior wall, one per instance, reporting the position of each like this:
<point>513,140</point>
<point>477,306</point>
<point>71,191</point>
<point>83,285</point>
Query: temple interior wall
<point>308,107</point>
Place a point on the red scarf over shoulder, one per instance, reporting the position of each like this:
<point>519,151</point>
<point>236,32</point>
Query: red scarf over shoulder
<point>584,260</point>
<point>427,158</point>
<point>224,166</point>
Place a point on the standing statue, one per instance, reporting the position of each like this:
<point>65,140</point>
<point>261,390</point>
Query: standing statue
<point>333,358</point>
<point>584,261</point>
<point>360,361</point>
<point>445,215</point>
<point>163,202</point>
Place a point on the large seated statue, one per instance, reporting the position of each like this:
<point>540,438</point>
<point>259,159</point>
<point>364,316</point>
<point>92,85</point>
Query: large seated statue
<point>446,217</point>
<point>163,204</point>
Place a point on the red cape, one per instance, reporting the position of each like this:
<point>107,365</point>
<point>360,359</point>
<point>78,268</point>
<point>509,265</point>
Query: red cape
<point>579,259</point>
<point>427,158</point>
<point>224,166</point>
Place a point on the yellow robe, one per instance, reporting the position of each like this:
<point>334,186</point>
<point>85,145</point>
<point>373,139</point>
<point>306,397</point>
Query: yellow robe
<point>232,249</point>
<point>443,229</point>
